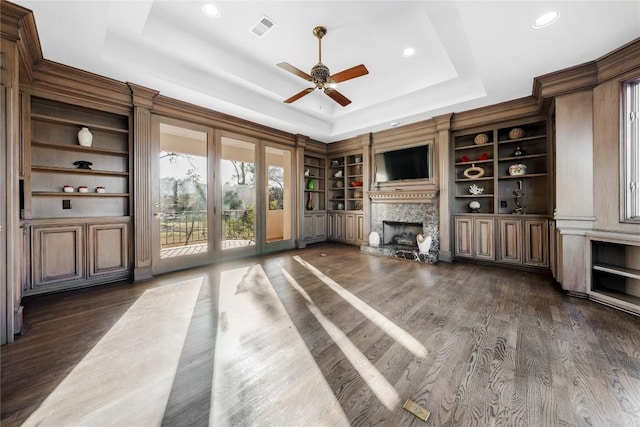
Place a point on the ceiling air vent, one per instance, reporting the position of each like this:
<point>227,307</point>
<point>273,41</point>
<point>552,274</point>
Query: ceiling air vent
<point>262,26</point>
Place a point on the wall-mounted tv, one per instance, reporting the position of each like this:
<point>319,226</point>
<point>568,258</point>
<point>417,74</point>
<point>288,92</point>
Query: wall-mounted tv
<point>406,163</point>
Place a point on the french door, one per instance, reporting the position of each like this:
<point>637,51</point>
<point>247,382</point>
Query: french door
<point>182,177</point>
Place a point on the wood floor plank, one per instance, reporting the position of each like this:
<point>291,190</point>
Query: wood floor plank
<point>328,336</point>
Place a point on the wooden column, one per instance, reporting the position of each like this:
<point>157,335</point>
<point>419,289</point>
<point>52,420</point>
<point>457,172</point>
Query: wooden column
<point>10,233</point>
<point>142,208</point>
<point>301,143</point>
<point>443,126</point>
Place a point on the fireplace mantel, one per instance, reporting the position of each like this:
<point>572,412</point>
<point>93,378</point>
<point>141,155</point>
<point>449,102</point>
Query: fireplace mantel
<point>416,195</point>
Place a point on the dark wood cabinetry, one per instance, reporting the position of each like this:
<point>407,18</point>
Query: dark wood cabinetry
<point>501,172</point>
<point>81,236</point>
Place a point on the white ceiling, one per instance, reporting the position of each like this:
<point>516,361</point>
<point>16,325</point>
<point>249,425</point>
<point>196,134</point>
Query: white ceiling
<point>468,53</point>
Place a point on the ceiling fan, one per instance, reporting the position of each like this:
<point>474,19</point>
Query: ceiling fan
<point>320,75</point>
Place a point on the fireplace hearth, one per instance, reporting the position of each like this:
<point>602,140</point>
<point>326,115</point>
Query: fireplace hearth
<point>398,233</point>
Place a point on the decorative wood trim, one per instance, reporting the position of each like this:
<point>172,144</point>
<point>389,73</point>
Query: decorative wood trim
<point>579,78</point>
<point>142,96</point>
<point>619,61</point>
<point>29,47</point>
<point>192,113</point>
<point>514,109</point>
<point>142,209</point>
<point>403,196</point>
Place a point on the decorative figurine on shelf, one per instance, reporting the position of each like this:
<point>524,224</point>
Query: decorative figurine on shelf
<point>483,156</point>
<point>474,172</point>
<point>475,190</point>
<point>85,138</point>
<point>338,174</point>
<point>307,172</point>
<point>340,206</point>
<point>519,151</point>
<point>310,202</point>
<point>311,184</point>
<point>481,138</point>
<point>517,195</point>
<point>464,159</point>
<point>82,164</point>
<point>374,239</point>
<point>474,206</point>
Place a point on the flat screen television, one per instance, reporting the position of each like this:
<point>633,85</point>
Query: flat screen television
<point>406,163</point>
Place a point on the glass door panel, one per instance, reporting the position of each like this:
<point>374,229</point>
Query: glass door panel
<point>238,179</point>
<point>279,203</point>
<point>180,195</point>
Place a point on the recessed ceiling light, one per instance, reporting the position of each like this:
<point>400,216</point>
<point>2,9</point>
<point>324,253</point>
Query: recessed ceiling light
<point>546,19</point>
<point>210,10</point>
<point>394,124</point>
<point>409,51</point>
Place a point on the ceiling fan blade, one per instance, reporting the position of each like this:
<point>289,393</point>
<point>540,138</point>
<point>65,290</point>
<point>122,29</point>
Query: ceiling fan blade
<point>298,72</point>
<point>337,96</point>
<point>351,73</point>
<point>299,95</point>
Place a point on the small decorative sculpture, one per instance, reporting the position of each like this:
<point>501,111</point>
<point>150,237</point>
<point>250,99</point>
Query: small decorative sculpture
<point>475,190</point>
<point>424,243</point>
<point>82,164</point>
<point>307,172</point>
<point>517,195</point>
<point>374,239</point>
<point>85,138</point>
<point>519,151</point>
<point>474,206</point>
<point>338,174</point>
<point>474,172</point>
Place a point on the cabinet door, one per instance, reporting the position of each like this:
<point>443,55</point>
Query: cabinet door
<point>463,237</point>
<point>536,246</point>
<point>340,227</point>
<point>58,255</point>
<point>350,227</point>
<point>510,240</point>
<point>108,249</point>
<point>308,227</point>
<point>319,226</point>
<point>360,228</point>
<point>484,238</point>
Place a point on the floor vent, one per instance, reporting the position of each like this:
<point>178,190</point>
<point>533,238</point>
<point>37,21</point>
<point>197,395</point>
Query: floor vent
<point>262,27</point>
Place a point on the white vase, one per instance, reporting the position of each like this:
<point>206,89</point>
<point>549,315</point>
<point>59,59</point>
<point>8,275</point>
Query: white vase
<point>424,243</point>
<point>374,239</point>
<point>85,138</point>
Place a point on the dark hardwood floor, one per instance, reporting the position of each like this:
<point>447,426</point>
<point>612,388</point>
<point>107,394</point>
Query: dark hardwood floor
<point>323,336</point>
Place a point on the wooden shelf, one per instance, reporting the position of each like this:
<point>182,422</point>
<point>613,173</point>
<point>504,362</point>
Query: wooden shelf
<point>59,120</point>
<point>79,148</point>
<point>631,273</point>
<point>76,194</point>
<point>313,191</point>
<point>526,156</point>
<point>473,162</point>
<point>527,175</point>
<point>473,196</point>
<point>469,147</point>
<point>525,139</point>
<point>484,178</point>
<point>56,169</point>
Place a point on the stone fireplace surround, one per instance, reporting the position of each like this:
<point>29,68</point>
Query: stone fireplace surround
<point>425,213</point>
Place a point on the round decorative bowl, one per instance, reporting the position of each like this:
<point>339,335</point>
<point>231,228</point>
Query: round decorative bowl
<point>83,189</point>
<point>517,169</point>
<point>339,183</point>
<point>516,133</point>
<point>100,190</point>
<point>481,138</point>
<point>356,183</point>
<point>67,189</point>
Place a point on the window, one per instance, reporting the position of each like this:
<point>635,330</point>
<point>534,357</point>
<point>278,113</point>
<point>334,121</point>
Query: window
<point>631,153</point>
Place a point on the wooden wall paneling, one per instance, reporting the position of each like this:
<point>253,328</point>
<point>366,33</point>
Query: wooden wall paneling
<point>10,233</point>
<point>463,236</point>
<point>141,176</point>
<point>442,172</point>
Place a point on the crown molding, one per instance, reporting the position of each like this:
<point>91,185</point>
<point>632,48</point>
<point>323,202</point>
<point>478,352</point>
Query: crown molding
<point>403,196</point>
<point>574,79</point>
<point>514,109</point>
<point>619,61</point>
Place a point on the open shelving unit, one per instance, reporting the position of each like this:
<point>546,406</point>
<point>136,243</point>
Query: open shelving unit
<point>317,174</point>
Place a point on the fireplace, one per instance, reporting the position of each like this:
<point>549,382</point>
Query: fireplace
<point>401,234</point>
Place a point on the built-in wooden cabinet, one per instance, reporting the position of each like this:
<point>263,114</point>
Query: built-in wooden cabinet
<point>475,237</point>
<point>67,254</point>
<point>501,172</point>
<point>613,276</point>
<point>315,227</point>
<point>78,238</point>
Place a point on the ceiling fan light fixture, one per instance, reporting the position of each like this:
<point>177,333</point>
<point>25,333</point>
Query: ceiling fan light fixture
<point>546,19</point>
<point>210,10</point>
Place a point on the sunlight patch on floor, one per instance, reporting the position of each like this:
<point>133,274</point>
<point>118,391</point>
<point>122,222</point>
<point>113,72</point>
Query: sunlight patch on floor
<point>264,374</point>
<point>384,391</point>
<point>390,328</point>
<point>127,376</point>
